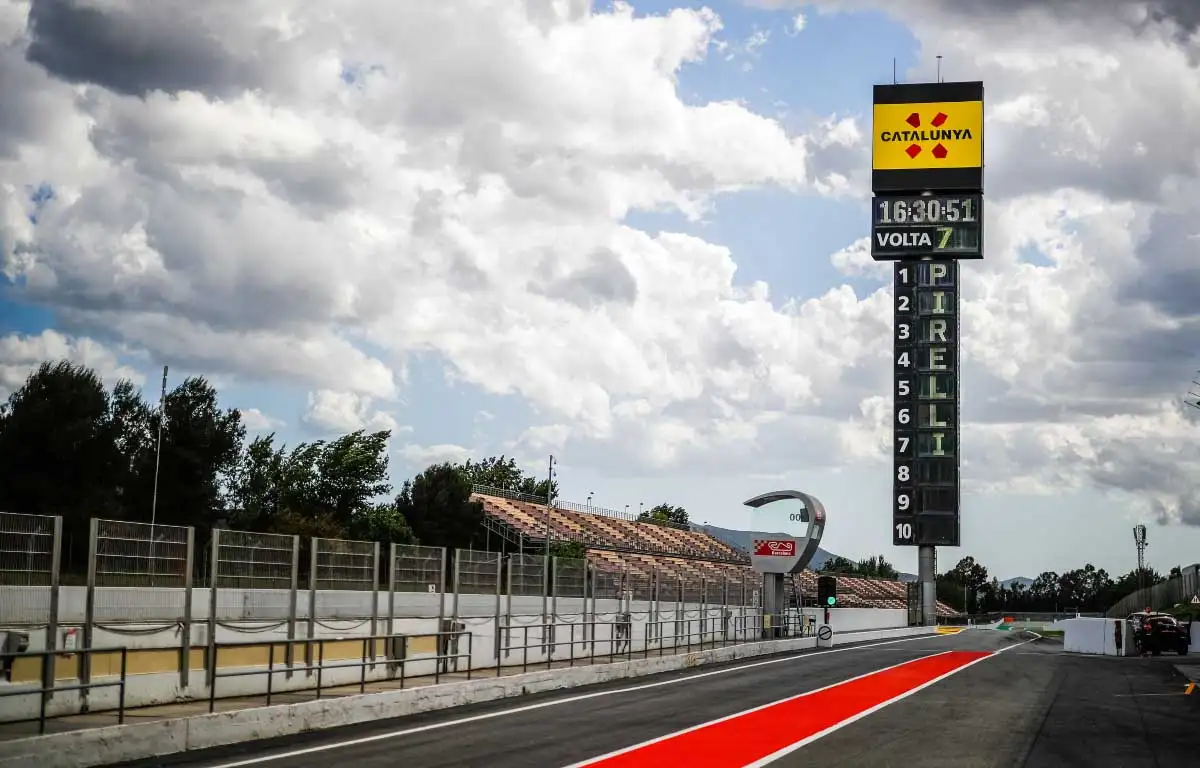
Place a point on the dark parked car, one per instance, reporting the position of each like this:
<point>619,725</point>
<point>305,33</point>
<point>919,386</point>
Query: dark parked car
<point>1158,632</point>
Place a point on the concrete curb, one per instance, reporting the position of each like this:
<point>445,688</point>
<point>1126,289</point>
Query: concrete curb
<point>122,743</point>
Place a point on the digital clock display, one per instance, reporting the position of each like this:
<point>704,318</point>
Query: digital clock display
<point>928,209</point>
<point>927,226</point>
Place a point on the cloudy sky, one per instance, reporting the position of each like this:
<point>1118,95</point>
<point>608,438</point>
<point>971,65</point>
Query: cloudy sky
<point>630,236</point>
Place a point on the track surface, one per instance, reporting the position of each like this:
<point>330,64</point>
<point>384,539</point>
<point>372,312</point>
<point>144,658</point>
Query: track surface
<point>1029,705</point>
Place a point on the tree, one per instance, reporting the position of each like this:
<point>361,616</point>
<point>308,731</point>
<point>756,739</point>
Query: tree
<point>58,455</point>
<point>437,505</point>
<point>839,564</point>
<point>572,550</point>
<point>876,567</point>
<point>665,514</point>
<point>201,445</point>
<point>325,489</point>
<point>502,473</point>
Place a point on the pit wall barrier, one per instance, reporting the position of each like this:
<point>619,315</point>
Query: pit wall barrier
<point>154,657</point>
<point>114,744</point>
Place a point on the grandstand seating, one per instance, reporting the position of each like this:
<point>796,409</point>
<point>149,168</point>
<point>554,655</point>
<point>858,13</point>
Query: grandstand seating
<point>618,544</point>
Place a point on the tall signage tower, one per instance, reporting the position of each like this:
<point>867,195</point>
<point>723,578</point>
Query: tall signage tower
<point>926,215</point>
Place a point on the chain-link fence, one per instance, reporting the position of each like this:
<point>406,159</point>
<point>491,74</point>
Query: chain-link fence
<point>28,567</point>
<point>139,570</point>
<point>527,575</point>
<point>254,574</point>
<point>345,576</point>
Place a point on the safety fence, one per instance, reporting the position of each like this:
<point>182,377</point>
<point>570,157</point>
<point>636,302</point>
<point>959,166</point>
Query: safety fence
<point>1164,596</point>
<point>188,615</point>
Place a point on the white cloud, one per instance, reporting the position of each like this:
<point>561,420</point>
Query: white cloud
<point>425,455</point>
<point>347,412</point>
<point>21,354</point>
<point>321,196</point>
<point>257,421</point>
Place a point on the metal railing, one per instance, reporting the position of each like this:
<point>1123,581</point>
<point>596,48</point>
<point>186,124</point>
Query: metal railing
<point>367,660</point>
<point>46,691</point>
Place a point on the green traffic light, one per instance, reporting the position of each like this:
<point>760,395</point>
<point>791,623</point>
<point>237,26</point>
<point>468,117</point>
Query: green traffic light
<point>831,600</point>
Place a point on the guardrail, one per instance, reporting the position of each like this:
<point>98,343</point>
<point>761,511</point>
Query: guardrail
<point>369,659</point>
<point>49,686</point>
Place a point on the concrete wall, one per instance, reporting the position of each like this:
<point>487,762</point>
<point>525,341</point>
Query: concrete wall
<point>114,744</point>
<point>1094,636</point>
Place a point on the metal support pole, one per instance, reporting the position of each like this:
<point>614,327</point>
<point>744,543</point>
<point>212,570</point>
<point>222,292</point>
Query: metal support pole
<point>185,639</point>
<point>496,619</point>
<point>391,607</point>
<point>508,609</point>
<point>214,578</point>
<point>544,590</point>
<point>925,574</point>
<point>312,600</point>
<point>89,613</point>
<point>52,620</point>
<point>374,603</point>
<point>455,582</point>
<point>294,587</point>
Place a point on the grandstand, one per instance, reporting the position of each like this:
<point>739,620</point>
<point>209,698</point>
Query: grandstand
<point>618,543</point>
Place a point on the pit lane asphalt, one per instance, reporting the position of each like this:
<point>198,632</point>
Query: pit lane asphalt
<point>1031,706</point>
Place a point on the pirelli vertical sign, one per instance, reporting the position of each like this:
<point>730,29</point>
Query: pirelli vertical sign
<point>926,459</point>
<point>927,176</point>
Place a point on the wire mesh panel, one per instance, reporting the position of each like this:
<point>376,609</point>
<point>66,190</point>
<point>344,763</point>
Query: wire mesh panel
<point>527,575</point>
<point>418,568</point>
<point>253,575</point>
<point>26,567</point>
<point>570,577</point>
<point>607,585</point>
<point>140,570</point>
<point>640,585</point>
<point>477,572</point>
<point>693,591</point>
<point>345,577</point>
<point>478,581</point>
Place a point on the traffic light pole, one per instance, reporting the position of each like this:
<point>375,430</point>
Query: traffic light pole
<point>926,563</point>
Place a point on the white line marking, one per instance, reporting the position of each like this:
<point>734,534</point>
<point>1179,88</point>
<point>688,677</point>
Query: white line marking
<point>838,726</point>
<point>656,739</point>
<point>557,702</point>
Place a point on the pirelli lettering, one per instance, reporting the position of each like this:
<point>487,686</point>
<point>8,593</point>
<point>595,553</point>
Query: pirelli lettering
<point>925,502</point>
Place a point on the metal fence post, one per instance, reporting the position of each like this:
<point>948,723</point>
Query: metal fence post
<point>391,611</point>
<point>545,633</point>
<point>496,619</point>
<point>185,639</point>
<point>374,603</point>
<point>508,608</point>
<point>442,589</point>
<point>89,613</point>
<point>214,580</point>
<point>52,618</point>
<point>290,653</point>
<point>457,585</point>
<point>314,544</point>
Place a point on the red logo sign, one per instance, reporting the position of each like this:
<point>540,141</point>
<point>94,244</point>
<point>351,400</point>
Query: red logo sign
<point>775,548</point>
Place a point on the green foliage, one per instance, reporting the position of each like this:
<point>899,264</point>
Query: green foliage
<point>874,567</point>
<point>436,503</point>
<point>503,473</point>
<point>1087,589</point>
<point>665,514</point>
<point>573,550</point>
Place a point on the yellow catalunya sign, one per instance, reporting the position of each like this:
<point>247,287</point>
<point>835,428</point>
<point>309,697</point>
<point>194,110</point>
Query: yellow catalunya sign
<point>923,136</point>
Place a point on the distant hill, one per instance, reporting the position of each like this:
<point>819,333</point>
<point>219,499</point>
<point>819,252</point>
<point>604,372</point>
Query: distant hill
<point>1023,581</point>
<point>742,539</point>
